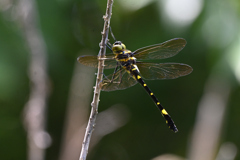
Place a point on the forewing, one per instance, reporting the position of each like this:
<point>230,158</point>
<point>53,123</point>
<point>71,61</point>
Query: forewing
<point>122,80</point>
<point>92,61</point>
<point>161,51</point>
<point>156,71</point>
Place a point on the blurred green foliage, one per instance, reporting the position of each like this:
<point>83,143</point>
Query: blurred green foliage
<point>69,27</point>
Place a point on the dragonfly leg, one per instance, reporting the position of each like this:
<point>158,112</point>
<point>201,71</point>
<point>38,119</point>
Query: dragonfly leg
<point>112,34</point>
<point>109,45</point>
<point>118,67</point>
<point>104,75</point>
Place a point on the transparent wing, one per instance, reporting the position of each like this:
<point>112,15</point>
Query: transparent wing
<point>161,51</point>
<point>122,80</point>
<point>92,61</point>
<point>156,71</point>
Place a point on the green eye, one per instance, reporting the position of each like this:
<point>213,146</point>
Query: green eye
<point>123,46</point>
<point>117,48</point>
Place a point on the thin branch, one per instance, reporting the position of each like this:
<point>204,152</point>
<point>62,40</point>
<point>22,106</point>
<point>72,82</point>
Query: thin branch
<point>94,104</point>
<point>35,108</point>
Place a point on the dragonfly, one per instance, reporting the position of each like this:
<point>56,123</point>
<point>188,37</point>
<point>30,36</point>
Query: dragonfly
<point>129,71</point>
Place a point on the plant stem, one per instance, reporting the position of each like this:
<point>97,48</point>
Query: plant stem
<point>95,102</point>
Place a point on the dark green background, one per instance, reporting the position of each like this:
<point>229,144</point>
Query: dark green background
<point>69,27</point>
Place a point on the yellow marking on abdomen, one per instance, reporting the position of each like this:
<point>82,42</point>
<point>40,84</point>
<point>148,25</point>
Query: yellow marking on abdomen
<point>138,77</point>
<point>164,112</point>
<point>151,94</point>
<point>134,69</point>
<point>144,84</point>
<point>158,103</point>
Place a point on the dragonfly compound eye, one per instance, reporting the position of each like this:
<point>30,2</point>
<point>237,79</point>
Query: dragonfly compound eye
<point>123,46</point>
<point>118,46</point>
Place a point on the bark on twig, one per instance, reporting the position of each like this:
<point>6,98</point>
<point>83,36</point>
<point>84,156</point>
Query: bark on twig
<point>94,104</point>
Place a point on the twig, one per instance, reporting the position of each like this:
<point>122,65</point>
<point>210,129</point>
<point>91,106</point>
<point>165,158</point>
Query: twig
<point>35,108</point>
<point>94,104</point>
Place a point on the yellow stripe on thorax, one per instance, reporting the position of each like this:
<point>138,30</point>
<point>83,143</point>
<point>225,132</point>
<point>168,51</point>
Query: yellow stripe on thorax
<point>124,59</point>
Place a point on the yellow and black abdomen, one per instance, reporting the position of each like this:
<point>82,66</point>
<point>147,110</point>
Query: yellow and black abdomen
<point>135,73</point>
<point>128,62</point>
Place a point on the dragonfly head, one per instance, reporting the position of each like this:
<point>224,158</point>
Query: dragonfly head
<point>118,46</point>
